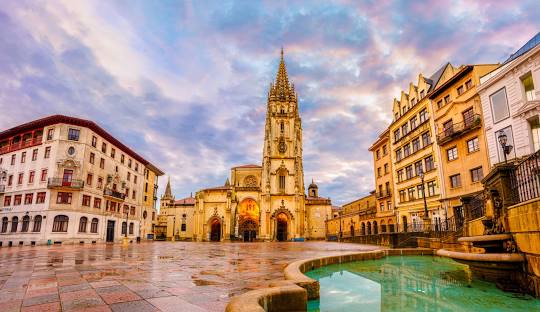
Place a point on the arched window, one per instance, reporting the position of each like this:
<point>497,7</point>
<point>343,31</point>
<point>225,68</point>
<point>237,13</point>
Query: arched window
<point>25,224</point>
<point>369,228</point>
<point>375,228</point>
<point>94,225</point>
<point>131,225</point>
<point>82,224</point>
<point>363,228</point>
<point>60,223</point>
<point>14,224</point>
<point>282,182</point>
<point>37,223</point>
<point>4,224</point>
<point>124,227</point>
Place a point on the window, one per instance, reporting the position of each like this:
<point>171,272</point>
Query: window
<point>60,223</point>
<point>20,179</point>
<point>13,159</point>
<point>17,199</point>
<point>409,172</point>
<point>10,180</point>
<point>4,224</point>
<point>430,165</point>
<point>413,123</point>
<point>47,152</point>
<point>23,157</point>
<point>420,191</point>
<point>534,125</point>
<point>34,154</point>
<point>82,224</point>
<point>104,147</point>
<point>132,210</point>
<point>402,197</point>
<point>499,105</point>
<point>183,228</point>
<point>451,153</point>
<point>406,150</point>
<point>14,224</point>
<point>97,202</point>
<point>431,188</point>
<point>128,176</point>
<point>73,134</point>
<point>412,192</point>
<point>133,194</point>
<point>385,150</point>
<point>137,167</point>
<point>102,163</point>
<point>418,167</point>
<point>405,129</point>
<point>477,174</point>
<point>86,200</point>
<point>124,228</point>
<point>40,198</point>
<point>423,115</point>
<point>43,175</point>
<point>416,144</point>
<point>403,110</point>
<point>398,155</point>
<point>135,179</point>
<point>448,128</point>
<point>92,158</point>
<point>28,198</point>
<point>99,182</point>
<point>282,126</point>
<point>25,224</point>
<point>468,84</point>
<point>129,163</point>
<point>94,225</point>
<point>473,145</point>
<point>50,134</point>
<point>282,183</point>
<point>31,176</point>
<point>89,179</point>
<point>122,158</point>
<point>113,152</point>
<point>386,169</point>
<point>7,201</point>
<point>439,104</point>
<point>379,172</point>
<point>455,180</point>
<point>447,99</point>
<point>378,154</point>
<point>460,90</point>
<point>413,101</point>
<point>94,141</point>
<point>131,226</point>
<point>400,175</point>
<point>528,87</point>
<point>63,198</point>
<point>396,135</point>
<point>468,117</point>
<point>37,223</point>
<point>426,139</point>
<point>422,93</point>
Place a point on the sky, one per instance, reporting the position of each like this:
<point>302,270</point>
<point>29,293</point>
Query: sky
<point>185,83</point>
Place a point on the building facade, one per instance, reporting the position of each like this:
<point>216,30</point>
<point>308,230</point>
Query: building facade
<point>68,181</point>
<point>510,99</point>
<point>175,219</point>
<point>358,217</point>
<point>457,113</point>
<point>266,202</point>
<point>149,213</point>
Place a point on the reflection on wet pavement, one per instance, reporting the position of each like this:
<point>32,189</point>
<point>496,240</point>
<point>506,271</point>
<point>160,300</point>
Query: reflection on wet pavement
<point>154,276</point>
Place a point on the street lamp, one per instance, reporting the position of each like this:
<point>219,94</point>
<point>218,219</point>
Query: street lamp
<point>503,140</point>
<point>426,214</point>
<point>125,241</point>
<point>340,233</point>
<point>173,227</point>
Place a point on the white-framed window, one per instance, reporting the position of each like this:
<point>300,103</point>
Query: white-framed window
<point>473,145</point>
<point>452,153</point>
<point>499,105</point>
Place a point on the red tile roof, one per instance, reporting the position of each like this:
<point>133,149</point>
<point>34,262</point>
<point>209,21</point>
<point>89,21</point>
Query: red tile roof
<point>185,201</point>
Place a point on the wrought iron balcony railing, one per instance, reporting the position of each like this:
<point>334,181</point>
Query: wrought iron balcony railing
<point>383,194</point>
<point>114,194</point>
<point>20,145</point>
<point>457,129</point>
<point>64,183</point>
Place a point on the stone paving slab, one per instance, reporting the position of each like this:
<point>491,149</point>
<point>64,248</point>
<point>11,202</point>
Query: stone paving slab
<point>152,276</point>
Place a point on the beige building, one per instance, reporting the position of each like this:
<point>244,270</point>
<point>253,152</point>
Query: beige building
<point>358,217</point>
<point>175,219</point>
<point>266,202</point>
<point>149,213</point>
<point>457,113</point>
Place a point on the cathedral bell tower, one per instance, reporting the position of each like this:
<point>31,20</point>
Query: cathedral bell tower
<point>282,185</point>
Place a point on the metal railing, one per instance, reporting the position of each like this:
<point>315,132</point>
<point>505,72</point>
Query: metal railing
<point>21,144</point>
<point>115,194</point>
<point>383,194</point>
<point>476,206</point>
<point>526,180</point>
<point>459,128</point>
<point>60,182</point>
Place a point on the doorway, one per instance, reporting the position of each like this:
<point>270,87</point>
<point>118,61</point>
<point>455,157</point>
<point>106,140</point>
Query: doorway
<point>110,231</point>
<point>68,176</point>
<point>248,230</point>
<point>281,233</point>
<point>459,219</point>
<point>215,231</point>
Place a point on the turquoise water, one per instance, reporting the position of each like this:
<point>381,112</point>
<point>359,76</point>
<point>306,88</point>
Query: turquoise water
<point>411,283</point>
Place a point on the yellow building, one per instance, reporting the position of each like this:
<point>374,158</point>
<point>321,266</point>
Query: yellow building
<point>148,216</point>
<point>355,218</point>
<point>175,219</point>
<point>412,152</point>
<point>382,165</point>
<point>457,113</point>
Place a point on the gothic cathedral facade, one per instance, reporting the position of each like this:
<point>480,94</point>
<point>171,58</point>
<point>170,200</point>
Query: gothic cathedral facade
<point>268,202</point>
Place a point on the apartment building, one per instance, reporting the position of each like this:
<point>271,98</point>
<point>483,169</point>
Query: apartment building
<point>67,180</point>
<point>149,213</point>
<point>510,99</point>
<point>384,182</point>
<point>457,114</point>
<point>414,156</point>
<point>355,218</point>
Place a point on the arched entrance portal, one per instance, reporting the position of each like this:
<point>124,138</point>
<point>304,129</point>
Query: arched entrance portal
<point>248,230</point>
<point>215,230</point>
<point>282,222</point>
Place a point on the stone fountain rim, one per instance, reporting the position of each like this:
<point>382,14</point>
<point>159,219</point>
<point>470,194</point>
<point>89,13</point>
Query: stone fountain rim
<point>485,238</point>
<point>482,257</point>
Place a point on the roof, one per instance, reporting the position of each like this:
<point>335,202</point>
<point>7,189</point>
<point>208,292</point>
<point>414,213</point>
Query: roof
<point>185,201</point>
<point>247,166</point>
<point>56,119</point>
<point>533,42</point>
<point>437,75</point>
<point>217,188</point>
<point>458,75</point>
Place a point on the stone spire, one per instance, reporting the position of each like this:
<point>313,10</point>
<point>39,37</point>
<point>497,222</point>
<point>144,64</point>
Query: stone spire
<point>168,193</point>
<point>282,89</point>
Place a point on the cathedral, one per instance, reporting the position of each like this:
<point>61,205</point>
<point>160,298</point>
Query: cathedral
<point>266,202</point>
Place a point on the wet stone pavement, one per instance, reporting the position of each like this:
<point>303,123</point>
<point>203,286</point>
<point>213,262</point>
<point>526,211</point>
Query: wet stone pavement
<point>153,276</point>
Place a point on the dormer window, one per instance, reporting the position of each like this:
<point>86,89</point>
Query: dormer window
<point>422,94</point>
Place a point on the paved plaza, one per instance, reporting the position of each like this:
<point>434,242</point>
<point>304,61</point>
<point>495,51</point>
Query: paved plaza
<point>154,276</point>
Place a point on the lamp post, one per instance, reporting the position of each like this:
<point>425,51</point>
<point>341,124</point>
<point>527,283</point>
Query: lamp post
<point>173,228</point>
<point>503,140</point>
<point>427,220</point>
<point>340,233</point>
<point>125,241</point>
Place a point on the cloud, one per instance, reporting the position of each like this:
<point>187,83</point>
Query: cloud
<point>185,83</point>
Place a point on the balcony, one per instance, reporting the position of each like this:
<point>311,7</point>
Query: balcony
<point>383,194</point>
<point>459,129</point>
<point>20,145</point>
<point>114,194</point>
<point>62,183</point>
